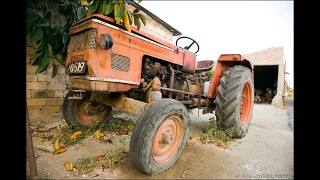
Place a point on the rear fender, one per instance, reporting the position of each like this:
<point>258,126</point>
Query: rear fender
<point>225,62</point>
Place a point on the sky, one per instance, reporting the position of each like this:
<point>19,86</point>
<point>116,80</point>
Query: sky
<point>235,27</point>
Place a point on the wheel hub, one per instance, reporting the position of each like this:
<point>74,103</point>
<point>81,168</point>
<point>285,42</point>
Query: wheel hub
<point>246,103</point>
<point>89,111</point>
<point>167,139</point>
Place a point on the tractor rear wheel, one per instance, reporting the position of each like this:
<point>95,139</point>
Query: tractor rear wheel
<point>84,111</point>
<point>159,136</point>
<point>234,101</point>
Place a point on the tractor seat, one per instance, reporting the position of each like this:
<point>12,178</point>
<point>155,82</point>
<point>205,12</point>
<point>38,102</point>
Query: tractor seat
<point>204,65</point>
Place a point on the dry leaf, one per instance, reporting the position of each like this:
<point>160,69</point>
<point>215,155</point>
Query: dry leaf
<point>98,134</point>
<point>123,131</point>
<point>76,134</point>
<point>130,127</point>
<point>56,145</point>
<point>61,150</point>
<point>68,166</point>
<point>98,158</point>
<point>194,137</point>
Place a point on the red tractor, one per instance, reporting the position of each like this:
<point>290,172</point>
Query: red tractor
<point>144,75</point>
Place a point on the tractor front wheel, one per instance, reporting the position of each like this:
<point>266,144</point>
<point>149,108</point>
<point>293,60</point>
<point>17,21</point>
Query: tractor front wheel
<point>159,136</point>
<point>234,101</point>
<point>84,111</point>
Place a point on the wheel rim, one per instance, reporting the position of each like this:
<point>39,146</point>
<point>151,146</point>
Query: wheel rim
<point>246,103</point>
<point>88,111</point>
<point>167,139</point>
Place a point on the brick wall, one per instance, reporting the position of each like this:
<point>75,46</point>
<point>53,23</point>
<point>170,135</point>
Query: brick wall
<point>46,94</point>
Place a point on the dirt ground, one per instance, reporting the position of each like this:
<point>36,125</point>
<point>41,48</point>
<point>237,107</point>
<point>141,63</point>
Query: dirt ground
<point>266,152</point>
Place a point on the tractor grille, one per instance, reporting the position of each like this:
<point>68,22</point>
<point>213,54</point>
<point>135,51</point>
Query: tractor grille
<point>83,41</point>
<point>121,63</point>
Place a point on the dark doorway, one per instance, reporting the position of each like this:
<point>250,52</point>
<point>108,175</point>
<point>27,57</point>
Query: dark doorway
<point>265,77</point>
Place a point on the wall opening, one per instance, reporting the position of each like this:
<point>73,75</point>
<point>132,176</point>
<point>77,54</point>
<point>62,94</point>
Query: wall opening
<point>265,83</point>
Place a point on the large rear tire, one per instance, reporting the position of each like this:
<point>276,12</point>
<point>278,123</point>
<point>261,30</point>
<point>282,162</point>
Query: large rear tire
<point>234,101</point>
<point>159,136</point>
<point>84,111</point>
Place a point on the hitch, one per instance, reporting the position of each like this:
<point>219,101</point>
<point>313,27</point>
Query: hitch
<point>77,94</point>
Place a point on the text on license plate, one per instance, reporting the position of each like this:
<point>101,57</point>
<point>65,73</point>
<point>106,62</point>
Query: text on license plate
<point>77,67</point>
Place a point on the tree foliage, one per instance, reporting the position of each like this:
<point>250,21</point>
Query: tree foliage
<point>48,27</point>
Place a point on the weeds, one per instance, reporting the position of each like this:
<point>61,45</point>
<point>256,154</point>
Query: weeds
<point>111,159</point>
<point>210,133</point>
<point>86,164</point>
<point>112,125</point>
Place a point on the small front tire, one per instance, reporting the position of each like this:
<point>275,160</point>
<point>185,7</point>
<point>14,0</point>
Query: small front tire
<point>159,136</point>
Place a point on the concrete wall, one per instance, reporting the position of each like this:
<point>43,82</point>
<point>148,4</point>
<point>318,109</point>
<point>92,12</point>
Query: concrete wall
<point>272,56</point>
<point>45,95</point>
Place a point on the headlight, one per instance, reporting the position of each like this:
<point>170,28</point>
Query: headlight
<point>106,41</point>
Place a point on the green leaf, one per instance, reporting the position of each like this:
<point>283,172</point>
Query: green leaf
<point>43,64</point>
<point>36,34</point>
<point>137,21</point>
<point>57,31</point>
<point>37,60</point>
<point>143,19</point>
<point>64,6</point>
<point>45,23</point>
<point>57,23</point>
<point>47,15</point>
<point>30,14</point>
<point>121,11</point>
<point>80,13</point>
<point>59,57</point>
<point>49,49</point>
<point>38,47</point>
<point>100,7</point>
<point>140,1</point>
<point>54,70</point>
<point>136,10</point>
<point>29,25</point>
<point>34,57</point>
<point>92,8</point>
<point>52,25</point>
<point>107,7</point>
<point>65,37</point>
<point>67,27</point>
<point>38,20</point>
<point>53,12</point>
<point>133,4</point>
<point>58,44</point>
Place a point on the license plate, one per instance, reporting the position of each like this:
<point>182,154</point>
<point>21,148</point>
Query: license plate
<point>77,67</point>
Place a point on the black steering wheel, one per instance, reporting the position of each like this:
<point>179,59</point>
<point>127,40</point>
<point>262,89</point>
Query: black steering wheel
<point>188,47</point>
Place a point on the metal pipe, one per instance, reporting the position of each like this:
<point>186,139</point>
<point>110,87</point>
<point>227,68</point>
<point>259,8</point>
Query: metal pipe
<point>30,152</point>
<point>175,90</point>
<point>196,102</point>
<point>171,81</point>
